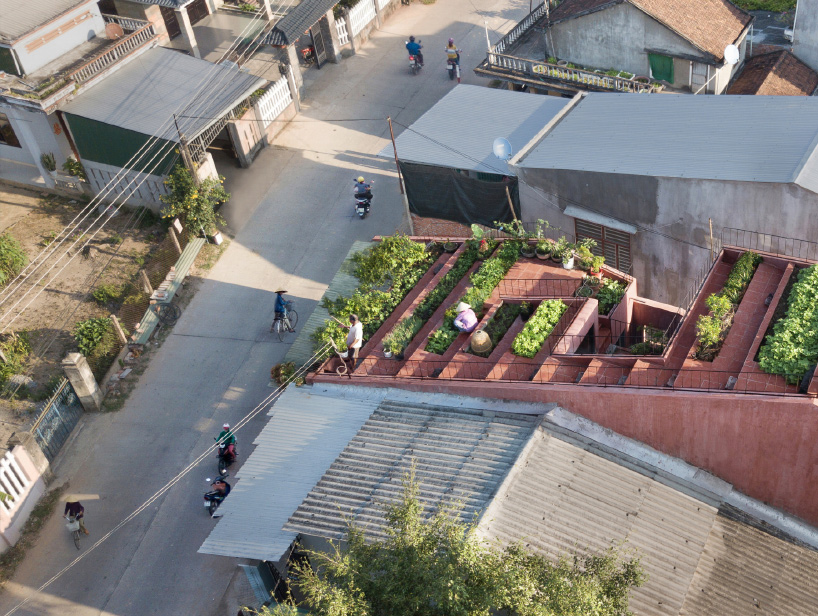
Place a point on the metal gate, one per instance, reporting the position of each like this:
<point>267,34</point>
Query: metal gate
<point>197,11</point>
<point>57,418</point>
<point>318,44</point>
<point>171,23</point>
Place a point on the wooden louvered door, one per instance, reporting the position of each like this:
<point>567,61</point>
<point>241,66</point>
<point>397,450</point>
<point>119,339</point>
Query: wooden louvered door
<point>614,245</point>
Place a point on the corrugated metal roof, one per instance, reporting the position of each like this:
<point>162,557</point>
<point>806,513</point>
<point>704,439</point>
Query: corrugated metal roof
<point>679,135</point>
<point>459,131</point>
<point>744,570</point>
<point>297,20</point>
<point>305,434</point>
<point>18,18</point>
<point>564,495</point>
<point>460,454</point>
<point>143,95</point>
<point>173,4</point>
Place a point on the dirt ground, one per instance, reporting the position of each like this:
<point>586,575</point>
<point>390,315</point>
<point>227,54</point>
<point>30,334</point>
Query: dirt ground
<point>117,252</point>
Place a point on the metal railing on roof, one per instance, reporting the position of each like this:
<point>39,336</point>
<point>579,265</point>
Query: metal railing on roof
<point>802,250</point>
<point>523,26</point>
<point>123,47</point>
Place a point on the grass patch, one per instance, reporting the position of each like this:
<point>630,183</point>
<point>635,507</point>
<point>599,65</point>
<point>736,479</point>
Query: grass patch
<point>12,258</point>
<point>210,253</point>
<point>774,6</point>
<point>16,347</point>
<point>11,558</point>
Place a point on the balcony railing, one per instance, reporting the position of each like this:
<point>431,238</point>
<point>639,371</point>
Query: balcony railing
<point>540,70</point>
<point>123,47</point>
<point>128,24</point>
<point>521,28</point>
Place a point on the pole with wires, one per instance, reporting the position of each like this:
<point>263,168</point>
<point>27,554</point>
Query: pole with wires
<point>184,150</point>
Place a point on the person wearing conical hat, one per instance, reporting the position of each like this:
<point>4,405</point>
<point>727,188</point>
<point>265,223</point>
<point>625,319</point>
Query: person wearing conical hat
<point>466,320</point>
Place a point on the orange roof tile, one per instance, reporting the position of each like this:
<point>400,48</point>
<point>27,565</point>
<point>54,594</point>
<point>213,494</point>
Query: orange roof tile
<point>777,73</point>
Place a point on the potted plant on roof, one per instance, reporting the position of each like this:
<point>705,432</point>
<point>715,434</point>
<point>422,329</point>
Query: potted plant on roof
<point>584,255</point>
<point>528,250</point>
<point>596,267</point>
<point>449,246</point>
<point>568,257</point>
<point>543,249</point>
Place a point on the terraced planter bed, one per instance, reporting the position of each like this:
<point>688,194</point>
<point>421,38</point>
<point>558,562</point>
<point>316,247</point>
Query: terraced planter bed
<point>402,334</point>
<point>499,325</point>
<point>792,349</point>
<point>484,280</point>
<point>529,341</point>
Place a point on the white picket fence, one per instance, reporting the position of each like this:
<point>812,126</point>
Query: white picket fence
<point>382,4</point>
<point>361,14</point>
<point>343,35</point>
<point>12,481</point>
<point>274,101</point>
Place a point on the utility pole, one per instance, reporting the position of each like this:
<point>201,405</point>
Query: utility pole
<point>400,179</point>
<point>184,150</point>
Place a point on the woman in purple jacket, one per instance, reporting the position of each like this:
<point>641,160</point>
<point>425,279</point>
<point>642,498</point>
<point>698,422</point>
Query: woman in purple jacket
<point>466,320</point>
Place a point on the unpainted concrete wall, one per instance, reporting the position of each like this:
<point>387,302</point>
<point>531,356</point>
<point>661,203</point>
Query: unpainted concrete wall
<point>805,35</point>
<point>71,36</point>
<point>666,262</point>
<point>616,37</point>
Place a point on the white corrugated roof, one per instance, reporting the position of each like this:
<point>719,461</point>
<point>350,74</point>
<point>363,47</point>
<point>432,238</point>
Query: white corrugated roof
<point>460,454</point>
<point>459,131</point>
<point>306,432</point>
<point>144,95</point>
<point>18,18</point>
<point>739,138</point>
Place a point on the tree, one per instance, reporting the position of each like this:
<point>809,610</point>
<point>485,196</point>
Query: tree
<point>193,204</point>
<point>437,566</point>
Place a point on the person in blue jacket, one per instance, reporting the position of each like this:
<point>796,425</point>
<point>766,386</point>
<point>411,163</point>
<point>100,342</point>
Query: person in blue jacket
<point>414,49</point>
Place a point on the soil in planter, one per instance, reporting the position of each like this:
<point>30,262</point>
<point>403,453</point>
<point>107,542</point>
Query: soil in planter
<point>499,325</point>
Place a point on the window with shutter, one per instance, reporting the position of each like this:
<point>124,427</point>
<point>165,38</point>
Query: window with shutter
<point>614,245</point>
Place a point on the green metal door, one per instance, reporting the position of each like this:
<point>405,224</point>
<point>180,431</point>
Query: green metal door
<point>661,67</point>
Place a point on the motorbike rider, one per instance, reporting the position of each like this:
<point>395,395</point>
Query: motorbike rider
<point>414,49</point>
<point>452,52</point>
<point>362,189</point>
<point>227,441</point>
<point>222,487</point>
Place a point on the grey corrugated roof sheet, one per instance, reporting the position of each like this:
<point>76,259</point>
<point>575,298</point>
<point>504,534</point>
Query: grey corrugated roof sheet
<point>304,435</point>
<point>172,4</point>
<point>565,495</point>
<point>738,138</point>
<point>19,17</point>
<point>459,131</point>
<point>143,95</point>
<point>461,455</point>
<point>297,21</point>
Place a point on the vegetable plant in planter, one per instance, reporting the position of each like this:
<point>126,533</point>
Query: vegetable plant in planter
<point>591,281</point>
<point>584,291</point>
<point>610,294</point>
<point>584,256</point>
<point>537,329</point>
<point>543,249</point>
<point>449,246</point>
<point>595,268</point>
<point>528,250</point>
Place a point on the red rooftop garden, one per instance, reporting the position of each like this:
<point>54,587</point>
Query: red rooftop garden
<point>725,383</point>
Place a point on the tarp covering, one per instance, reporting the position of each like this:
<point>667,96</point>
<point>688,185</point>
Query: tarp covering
<point>443,192</point>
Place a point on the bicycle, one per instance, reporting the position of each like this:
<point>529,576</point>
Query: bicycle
<point>167,312</point>
<point>285,324</point>
<point>73,527</point>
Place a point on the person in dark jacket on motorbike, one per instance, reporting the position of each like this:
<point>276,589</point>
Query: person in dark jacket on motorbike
<point>362,189</point>
<point>414,49</point>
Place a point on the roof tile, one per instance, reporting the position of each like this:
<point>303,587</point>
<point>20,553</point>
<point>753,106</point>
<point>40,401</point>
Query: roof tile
<point>778,73</point>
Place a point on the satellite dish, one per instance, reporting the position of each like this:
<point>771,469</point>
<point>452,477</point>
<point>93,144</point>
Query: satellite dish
<point>731,54</point>
<point>502,148</point>
<point>114,31</point>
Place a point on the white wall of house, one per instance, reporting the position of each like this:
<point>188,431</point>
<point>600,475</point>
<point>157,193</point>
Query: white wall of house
<point>19,477</point>
<point>38,134</point>
<point>52,40</point>
<point>805,33</point>
<point>618,37</point>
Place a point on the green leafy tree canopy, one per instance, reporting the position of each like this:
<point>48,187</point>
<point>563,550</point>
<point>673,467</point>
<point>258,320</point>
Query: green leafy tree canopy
<point>194,205</point>
<point>437,565</point>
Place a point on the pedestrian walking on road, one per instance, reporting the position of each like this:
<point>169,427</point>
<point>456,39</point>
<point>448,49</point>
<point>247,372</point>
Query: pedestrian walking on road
<point>77,511</point>
<point>355,339</point>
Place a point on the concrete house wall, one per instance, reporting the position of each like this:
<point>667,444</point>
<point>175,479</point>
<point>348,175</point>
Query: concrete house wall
<point>38,134</point>
<point>805,33</point>
<point>61,36</point>
<point>676,207</point>
<point>620,37</point>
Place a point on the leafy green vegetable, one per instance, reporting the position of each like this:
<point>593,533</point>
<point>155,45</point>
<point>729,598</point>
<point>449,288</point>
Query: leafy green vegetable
<point>793,346</point>
<point>609,295</point>
<point>529,341</point>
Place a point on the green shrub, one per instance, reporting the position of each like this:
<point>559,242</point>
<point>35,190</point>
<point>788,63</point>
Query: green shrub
<point>529,341</point>
<point>106,293</point>
<point>12,258</point>
<point>89,334</point>
<point>773,6</point>
<point>610,294</point>
<point>793,346</point>
<point>709,329</point>
<point>740,276</point>
<point>73,167</point>
<point>719,305</point>
<point>193,204</point>
<point>16,347</point>
<point>376,265</point>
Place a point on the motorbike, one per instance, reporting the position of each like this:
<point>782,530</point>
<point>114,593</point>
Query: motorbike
<point>226,458</point>
<point>363,202</point>
<point>308,55</point>
<point>214,498</point>
<point>453,66</point>
<point>414,62</point>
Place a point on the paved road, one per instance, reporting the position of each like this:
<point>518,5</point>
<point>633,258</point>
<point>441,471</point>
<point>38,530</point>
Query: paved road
<point>294,220</point>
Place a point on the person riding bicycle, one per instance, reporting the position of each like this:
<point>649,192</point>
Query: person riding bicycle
<point>452,52</point>
<point>227,439</point>
<point>281,306</point>
<point>414,49</point>
<point>75,510</point>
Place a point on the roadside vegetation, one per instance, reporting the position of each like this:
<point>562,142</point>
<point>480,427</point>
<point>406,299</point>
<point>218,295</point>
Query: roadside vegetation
<point>774,6</point>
